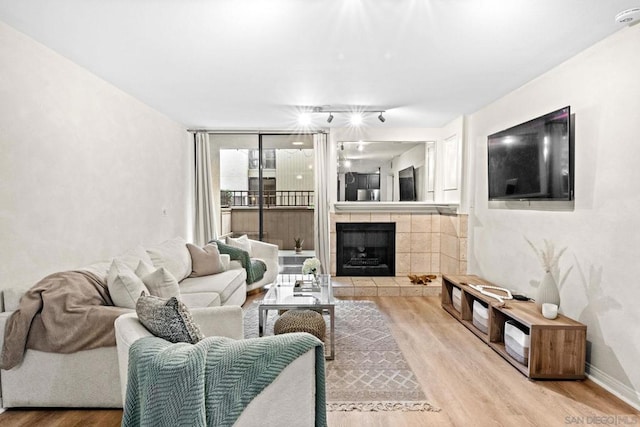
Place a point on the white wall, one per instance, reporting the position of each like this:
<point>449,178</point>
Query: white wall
<point>602,86</point>
<point>85,171</point>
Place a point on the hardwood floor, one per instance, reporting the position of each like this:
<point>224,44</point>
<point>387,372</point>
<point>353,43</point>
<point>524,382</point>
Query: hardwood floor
<point>61,417</point>
<point>461,375</point>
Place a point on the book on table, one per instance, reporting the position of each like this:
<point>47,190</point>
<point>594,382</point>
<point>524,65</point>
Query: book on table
<point>305,286</point>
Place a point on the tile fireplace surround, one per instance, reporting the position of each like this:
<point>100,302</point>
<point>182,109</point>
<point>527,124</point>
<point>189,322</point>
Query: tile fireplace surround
<point>429,243</point>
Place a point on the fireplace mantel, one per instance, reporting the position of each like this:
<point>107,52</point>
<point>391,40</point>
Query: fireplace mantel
<point>393,207</point>
<point>427,241</point>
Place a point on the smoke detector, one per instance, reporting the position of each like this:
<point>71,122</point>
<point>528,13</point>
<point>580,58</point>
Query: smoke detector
<point>629,16</point>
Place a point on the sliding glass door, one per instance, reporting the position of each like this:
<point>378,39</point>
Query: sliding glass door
<point>267,186</point>
<point>237,166</point>
<point>288,190</point>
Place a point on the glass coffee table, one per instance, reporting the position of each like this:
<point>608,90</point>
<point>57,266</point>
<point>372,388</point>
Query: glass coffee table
<point>285,295</point>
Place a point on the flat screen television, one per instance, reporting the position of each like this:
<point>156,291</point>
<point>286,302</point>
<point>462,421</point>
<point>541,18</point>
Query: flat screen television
<point>407,180</point>
<point>533,160</point>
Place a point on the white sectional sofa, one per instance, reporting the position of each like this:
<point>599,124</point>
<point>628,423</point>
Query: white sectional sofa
<point>288,401</point>
<point>90,378</point>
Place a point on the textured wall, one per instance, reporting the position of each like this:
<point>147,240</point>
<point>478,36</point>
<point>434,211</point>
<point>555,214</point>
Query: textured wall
<point>86,170</point>
<point>601,84</point>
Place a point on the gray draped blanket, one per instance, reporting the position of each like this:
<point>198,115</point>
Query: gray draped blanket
<point>210,383</point>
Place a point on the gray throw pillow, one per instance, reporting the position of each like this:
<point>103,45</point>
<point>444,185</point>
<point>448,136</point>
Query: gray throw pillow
<point>169,319</point>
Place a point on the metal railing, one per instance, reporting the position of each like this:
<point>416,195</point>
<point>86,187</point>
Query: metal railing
<point>271,198</point>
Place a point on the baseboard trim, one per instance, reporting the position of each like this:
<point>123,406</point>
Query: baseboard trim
<point>613,386</point>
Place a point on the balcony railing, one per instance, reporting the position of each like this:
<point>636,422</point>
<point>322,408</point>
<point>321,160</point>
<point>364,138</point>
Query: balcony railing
<point>272,198</point>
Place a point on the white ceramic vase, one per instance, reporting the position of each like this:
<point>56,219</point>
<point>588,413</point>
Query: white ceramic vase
<point>548,291</point>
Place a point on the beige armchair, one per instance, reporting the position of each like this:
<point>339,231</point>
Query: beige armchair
<point>267,252</point>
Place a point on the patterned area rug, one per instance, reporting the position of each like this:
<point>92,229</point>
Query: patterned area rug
<point>369,372</point>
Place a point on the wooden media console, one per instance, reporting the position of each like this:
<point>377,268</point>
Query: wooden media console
<point>557,348</point>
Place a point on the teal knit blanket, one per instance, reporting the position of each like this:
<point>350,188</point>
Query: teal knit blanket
<point>255,268</point>
<point>210,383</point>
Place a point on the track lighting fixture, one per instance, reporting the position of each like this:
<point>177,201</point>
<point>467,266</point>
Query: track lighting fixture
<point>356,113</point>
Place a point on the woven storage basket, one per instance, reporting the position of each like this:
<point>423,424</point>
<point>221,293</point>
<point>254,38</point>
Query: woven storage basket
<point>301,321</point>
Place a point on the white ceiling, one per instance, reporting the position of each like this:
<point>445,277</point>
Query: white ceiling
<point>253,64</point>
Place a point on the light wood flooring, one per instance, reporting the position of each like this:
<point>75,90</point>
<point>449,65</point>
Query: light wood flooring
<point>460,374</point>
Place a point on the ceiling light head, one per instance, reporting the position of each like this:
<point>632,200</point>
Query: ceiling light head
<point>356,119</point>
<point>330,118</point>
<point>629,16</point>
<point>381,118</point>
<point>304,119</point>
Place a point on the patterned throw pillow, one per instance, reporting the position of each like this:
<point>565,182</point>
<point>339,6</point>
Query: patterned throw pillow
<point>168,319</point>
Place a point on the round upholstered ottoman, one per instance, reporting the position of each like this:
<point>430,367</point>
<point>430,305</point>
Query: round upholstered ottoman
<point>301,321</point>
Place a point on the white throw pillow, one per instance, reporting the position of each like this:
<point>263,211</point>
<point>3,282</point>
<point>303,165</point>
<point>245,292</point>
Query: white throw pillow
<point>241,242</point>
<point>161,283</point>
<point>172,255</point>
<point>123,284</point>
<point>144,268</point>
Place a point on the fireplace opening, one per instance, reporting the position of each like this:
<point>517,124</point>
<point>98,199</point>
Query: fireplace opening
<point>365,248</point>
